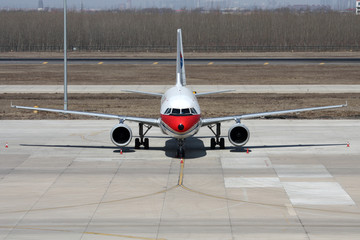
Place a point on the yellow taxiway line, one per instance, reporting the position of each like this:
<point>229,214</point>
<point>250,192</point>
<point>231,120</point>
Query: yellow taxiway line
<point>181,175</point>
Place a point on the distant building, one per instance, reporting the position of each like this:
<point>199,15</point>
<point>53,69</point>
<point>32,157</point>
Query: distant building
<point>40,5</point>
<point>358,7</point>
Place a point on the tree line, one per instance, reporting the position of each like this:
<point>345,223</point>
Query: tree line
<point>126,30</point>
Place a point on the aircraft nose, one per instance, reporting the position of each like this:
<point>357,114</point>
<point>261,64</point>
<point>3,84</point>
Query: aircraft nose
<point>181,127</point>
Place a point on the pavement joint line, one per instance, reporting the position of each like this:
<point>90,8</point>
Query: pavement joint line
<point>95,203</point>
<point>26,212</point>
<point>88,233</point>
<point>101,200</point>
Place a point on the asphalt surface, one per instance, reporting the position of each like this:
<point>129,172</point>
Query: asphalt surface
<point>220,61</point>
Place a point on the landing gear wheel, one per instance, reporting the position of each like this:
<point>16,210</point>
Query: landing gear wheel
<point>137,143</point>
<point>180,153</point>
<point>212,143</point>
<point>146,143</point>
<point>222,143</point>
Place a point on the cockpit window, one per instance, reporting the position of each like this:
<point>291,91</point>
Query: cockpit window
<point>167,111</point>
<point>180,112</point>
<point>175,111</point>
<point>185,111</point>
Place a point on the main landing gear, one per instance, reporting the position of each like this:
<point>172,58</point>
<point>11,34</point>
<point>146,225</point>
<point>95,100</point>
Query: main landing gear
<point>142,141</point>
<point>217,140</point>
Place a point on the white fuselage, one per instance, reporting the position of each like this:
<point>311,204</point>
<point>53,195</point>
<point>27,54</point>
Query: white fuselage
<point>180,113</point>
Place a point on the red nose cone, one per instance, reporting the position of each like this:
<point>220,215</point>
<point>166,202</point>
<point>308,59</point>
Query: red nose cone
<point>180,124</point>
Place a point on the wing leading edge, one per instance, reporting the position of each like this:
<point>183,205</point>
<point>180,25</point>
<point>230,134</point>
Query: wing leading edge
<point>209,121</point>
<point>149,121</point>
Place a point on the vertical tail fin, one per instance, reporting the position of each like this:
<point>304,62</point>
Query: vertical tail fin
<point>180,67</point>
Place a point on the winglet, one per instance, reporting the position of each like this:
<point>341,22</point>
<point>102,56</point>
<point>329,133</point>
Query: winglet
<point>346,104</point>
<point>180,66</point>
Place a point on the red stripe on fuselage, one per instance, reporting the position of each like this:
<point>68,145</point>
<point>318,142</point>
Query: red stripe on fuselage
<point>186,121</point>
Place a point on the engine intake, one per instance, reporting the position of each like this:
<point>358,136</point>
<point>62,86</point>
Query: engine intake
<point>239,135</point>
<point>121,135</point>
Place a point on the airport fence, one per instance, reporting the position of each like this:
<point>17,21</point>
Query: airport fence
<point>166,49</point>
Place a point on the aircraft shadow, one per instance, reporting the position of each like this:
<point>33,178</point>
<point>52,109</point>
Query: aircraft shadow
<point>250,148</point>
<point>194,147</point>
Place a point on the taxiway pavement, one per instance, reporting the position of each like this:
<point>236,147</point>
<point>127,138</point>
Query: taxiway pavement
<point>63,179</point>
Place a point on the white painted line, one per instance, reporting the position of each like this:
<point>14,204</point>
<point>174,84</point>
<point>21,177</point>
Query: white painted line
<point>245,163</point>
<point>317,193</point>
<point>302,171</point>
<point>238,182</point>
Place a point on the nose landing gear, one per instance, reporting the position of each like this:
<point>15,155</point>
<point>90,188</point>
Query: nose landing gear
<point>180,152</point>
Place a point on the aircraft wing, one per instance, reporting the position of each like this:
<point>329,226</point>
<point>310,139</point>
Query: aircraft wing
<point>149,121</point>
<point>209,121</point>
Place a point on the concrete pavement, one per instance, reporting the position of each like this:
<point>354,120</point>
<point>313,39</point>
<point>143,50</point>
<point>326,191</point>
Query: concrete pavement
<point>65,180</point>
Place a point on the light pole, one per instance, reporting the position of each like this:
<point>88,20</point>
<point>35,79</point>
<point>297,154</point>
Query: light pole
<point>65,58</point>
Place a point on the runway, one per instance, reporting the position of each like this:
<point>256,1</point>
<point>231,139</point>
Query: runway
<point>63,179</point>
<point>208,61</point>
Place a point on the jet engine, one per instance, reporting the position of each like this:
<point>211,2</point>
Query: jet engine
<point>121,135</point>
<point>239,135</point>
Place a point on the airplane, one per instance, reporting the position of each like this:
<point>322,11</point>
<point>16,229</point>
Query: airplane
<point>180,115</point>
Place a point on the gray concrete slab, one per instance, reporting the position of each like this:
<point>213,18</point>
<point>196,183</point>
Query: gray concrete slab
<point>198,88</point>
<point>62,179</point>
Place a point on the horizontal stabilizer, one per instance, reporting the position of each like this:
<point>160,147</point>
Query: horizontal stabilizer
<point>208,93</point>
<point>141,92</point>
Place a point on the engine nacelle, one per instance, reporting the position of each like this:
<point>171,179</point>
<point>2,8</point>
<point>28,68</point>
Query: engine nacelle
<point>239,135</point>
<point>121,135</point>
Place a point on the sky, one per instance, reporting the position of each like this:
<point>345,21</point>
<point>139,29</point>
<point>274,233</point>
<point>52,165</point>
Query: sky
<point>111,4</point>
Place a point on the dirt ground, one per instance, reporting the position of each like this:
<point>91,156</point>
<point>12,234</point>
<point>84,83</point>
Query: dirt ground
<point>98,54</point>
<point>161,74</point>
<point>212,106</point>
